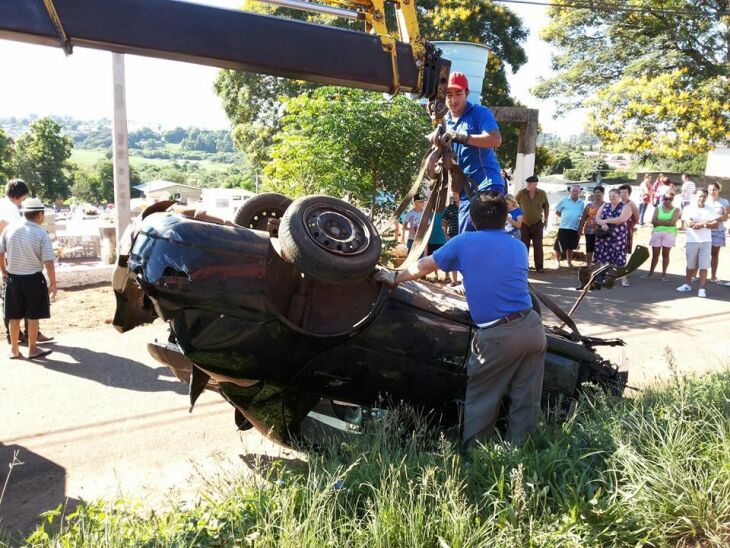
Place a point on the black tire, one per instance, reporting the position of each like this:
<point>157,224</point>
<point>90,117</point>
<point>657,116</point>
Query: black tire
<point>329,239</point>
<point>257,210</point>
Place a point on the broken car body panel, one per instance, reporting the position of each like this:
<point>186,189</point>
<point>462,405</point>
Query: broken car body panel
<point>275,341</point>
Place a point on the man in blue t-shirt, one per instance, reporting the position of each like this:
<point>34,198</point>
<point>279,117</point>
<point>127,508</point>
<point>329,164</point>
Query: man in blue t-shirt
<point>475,134</point>
<point>508,350</point>
<point>569,210</point>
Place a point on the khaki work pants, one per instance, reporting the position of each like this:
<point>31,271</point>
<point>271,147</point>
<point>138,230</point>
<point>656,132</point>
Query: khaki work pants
<point>506,359</point>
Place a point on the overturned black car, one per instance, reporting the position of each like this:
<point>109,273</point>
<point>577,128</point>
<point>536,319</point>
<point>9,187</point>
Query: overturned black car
<point>280,316</point>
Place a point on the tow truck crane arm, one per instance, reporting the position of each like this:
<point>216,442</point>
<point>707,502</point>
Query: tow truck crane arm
<point>238,40</point>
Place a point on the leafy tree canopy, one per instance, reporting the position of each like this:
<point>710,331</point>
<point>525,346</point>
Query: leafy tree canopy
<point>207,141</point>
<point>655,78</point>
<point>6,151</point>
<point>343,141</point>
<point>41,158</point>
<point>96,185</point>
<point>253,101</point>
<point>175,135</point>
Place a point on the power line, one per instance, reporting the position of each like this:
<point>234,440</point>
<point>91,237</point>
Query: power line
<point>611,7</point>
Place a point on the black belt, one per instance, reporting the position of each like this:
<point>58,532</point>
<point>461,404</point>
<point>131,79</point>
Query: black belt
<point>513,316</point>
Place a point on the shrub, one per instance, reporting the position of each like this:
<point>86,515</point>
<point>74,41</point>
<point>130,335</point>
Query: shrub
<point>573,174</point>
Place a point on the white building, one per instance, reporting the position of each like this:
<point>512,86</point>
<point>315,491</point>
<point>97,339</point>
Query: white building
<point>718,162</point>
<point>224,201</point>
<point>167,190</point>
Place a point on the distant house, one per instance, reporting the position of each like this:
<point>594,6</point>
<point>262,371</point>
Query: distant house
<point>224,201</point>
<point>168,190</point>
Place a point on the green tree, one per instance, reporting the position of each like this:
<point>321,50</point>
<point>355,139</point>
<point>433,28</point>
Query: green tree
<point>41,158</point>
<point>655,75</point>
<point>96,185</point>
<point>561,162</point>
<point>348,142</point>
<point>253,101</point>
<point>544,158</point>
<point>145,138</point>
<point>175,135</point>
<point>6,154</point>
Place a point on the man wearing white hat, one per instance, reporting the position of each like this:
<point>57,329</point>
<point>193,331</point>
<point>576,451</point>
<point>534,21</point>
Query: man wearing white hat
<point>25,249</point>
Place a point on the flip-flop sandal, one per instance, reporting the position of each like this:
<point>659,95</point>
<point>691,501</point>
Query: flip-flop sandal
<point>39,355</point>
<point>18,357</point>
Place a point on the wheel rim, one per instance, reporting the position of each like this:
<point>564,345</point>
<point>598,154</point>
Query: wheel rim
<point>337,230</point>
<point>260,219</point>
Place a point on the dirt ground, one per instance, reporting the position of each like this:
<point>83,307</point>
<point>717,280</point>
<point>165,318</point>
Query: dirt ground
<point>88,307</point>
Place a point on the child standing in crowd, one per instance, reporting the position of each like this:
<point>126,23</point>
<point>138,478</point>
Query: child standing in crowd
<point>450,224</point>
<point>514,217</point>
<point>413,219</point>
<point>25,249</point>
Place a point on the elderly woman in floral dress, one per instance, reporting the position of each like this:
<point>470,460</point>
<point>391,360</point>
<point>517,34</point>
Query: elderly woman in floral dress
<point>612,249</point>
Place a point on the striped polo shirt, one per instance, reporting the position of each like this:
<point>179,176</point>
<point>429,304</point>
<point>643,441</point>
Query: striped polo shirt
<point>26,246</point>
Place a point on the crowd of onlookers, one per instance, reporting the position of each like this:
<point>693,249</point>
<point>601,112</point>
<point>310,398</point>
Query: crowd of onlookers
<point>607,223</point>
<point>701,212</point>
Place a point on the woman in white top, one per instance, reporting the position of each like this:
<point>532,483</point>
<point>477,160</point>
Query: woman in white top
<point>720,207</point>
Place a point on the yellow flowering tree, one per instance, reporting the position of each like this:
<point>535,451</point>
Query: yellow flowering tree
<point>654,74</point>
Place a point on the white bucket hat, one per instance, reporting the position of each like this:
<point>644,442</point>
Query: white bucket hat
<point>32,204</point>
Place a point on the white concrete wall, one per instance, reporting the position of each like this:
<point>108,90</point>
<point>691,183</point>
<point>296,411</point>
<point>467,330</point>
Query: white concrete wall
<point>524,168</point>
<point>718,163</point>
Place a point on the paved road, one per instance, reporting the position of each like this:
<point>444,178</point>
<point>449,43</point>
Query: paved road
<point>651,316</point>
<point>101,418</point>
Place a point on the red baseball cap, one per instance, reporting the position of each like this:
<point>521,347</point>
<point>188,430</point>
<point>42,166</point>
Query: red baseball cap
<point>457,80</point>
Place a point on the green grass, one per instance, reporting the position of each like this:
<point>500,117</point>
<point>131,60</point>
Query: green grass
<point>87,158</point>
<point>649,471</point>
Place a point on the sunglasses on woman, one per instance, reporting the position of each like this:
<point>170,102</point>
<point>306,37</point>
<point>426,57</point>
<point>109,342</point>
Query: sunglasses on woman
<point>668,198</point>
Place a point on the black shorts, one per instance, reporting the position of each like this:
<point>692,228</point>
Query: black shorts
<point>590,243</point>
<point>567,239</point>
<point>430,248</point>
<point>26,297</point>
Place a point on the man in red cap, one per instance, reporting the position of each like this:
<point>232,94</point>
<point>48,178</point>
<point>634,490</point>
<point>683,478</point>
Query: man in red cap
<point>475,134</point>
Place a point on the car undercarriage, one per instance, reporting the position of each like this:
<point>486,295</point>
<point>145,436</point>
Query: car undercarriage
<point>276,342</point>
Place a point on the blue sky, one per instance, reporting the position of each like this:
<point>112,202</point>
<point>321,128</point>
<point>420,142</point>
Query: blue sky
<point>41,80</point>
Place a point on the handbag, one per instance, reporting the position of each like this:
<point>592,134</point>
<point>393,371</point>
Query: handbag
<point>601,233</point>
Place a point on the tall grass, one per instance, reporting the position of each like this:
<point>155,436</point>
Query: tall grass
<point>651,471</point>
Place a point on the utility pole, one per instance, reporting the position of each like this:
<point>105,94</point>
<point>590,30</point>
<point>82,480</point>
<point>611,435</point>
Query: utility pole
<point>120,156</point>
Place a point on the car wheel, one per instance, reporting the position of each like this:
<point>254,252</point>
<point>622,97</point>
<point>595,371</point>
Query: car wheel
<point>257,210</point>
<point>329,239</point>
